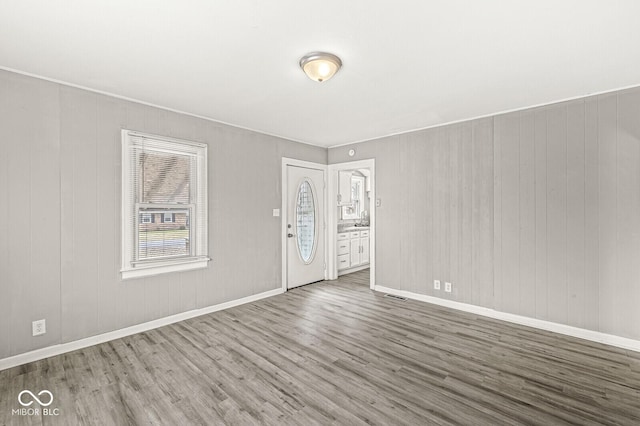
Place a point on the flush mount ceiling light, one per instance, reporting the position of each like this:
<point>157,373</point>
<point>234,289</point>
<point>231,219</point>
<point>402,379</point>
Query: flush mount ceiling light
<point>320,66</point>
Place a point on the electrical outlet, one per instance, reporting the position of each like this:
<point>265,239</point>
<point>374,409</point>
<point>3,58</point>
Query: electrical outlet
<point>447,287</point>
<point>436,284</point>
<point>39,327</point>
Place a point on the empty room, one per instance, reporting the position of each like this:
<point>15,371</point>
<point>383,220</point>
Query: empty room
<point>294,213</point>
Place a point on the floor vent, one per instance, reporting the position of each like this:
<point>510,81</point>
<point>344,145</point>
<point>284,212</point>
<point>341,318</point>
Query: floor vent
<point>393,296</point>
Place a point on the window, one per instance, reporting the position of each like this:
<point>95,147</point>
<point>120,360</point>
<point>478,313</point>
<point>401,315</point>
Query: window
<point>354,210</point>
<point>164,202</point>
<point>168,217</point>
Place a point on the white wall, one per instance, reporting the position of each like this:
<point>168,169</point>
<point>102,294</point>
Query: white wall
<point>60,207</point>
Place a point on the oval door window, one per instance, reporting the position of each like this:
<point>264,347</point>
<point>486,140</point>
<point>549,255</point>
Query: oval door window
<point>306,221</point>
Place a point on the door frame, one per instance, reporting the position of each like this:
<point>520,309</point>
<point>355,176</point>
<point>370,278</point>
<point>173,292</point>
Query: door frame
<point>332,237</point>
<point>283,212</point>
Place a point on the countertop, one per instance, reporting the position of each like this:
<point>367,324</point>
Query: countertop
<point>354,228</point>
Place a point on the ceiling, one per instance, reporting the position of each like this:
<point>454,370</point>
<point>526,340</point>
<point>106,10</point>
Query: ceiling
<point>407,64</point>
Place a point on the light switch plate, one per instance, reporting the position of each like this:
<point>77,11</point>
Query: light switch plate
<point>276,212</point>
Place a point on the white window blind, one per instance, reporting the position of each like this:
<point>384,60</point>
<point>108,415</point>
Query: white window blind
<point>164,204</point>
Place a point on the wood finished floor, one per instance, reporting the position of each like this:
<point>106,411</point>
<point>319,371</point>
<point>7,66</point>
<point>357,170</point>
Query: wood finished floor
<point>335,353</point>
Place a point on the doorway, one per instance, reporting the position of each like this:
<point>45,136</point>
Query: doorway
<point>358,242</point>
<point>303,223</point>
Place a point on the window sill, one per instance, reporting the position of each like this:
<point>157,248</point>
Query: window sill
<point>164,267</point>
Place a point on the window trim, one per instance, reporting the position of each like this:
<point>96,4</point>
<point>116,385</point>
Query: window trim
<point>198,258</point>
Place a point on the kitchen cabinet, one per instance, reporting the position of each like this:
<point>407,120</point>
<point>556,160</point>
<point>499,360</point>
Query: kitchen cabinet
<point>364,255</point>
<point>343,251</point>
<point>354,245</point>
<point>353,249</point>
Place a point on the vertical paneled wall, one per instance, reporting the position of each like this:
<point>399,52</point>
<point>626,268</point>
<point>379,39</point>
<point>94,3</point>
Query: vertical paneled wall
<point>60,188</point>
<point>30,212</point>
<point>569,239</point>
<point>535,212</point>
<point>436,215</point>
<point>622,311</point>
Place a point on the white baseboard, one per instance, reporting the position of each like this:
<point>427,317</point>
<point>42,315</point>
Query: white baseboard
<point>594,336</point>
<point>116,334</point>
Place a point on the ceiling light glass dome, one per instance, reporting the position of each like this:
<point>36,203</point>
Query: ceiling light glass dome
<point>320,66</point>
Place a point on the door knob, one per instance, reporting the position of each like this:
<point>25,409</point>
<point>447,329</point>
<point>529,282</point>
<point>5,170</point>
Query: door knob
<point>290,235</point>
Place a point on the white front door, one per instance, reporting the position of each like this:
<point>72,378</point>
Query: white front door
<point>305,226</point>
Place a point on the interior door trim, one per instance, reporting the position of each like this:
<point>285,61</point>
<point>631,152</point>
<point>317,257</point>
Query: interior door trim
<point>283,212</point>
<point>332,223</point>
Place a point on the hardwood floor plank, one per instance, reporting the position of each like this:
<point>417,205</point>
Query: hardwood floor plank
<point>335,353</point>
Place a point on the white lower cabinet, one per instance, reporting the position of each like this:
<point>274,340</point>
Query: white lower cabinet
<point>343,262</point>
<point>364,255</point>
<point>343,246</point>
<point>353,249</point>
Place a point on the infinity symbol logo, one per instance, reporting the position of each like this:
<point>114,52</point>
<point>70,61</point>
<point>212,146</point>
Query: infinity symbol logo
<point>35,398</point>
